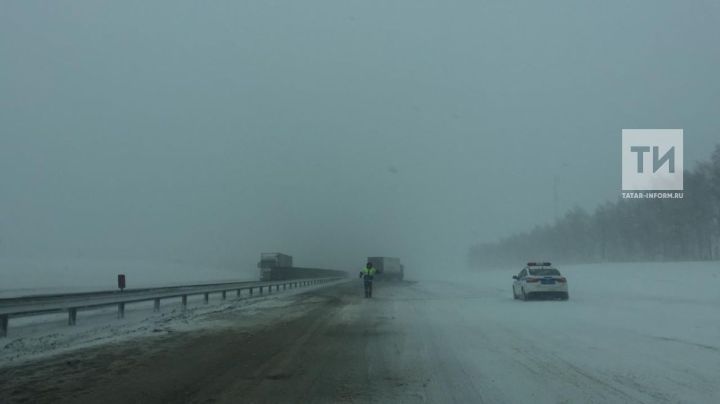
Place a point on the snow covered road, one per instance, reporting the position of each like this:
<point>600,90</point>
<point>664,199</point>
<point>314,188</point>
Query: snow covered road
<point>464,341</point>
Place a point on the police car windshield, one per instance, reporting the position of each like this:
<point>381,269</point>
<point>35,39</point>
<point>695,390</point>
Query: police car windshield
<point>543,271</point>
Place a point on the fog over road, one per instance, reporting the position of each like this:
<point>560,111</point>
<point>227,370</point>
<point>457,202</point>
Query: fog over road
<point>433,341</point>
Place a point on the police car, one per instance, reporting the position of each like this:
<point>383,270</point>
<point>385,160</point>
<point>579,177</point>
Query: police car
<point>540,279</point>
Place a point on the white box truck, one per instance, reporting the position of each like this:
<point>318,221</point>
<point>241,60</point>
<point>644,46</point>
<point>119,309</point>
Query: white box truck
<point>388,268</point>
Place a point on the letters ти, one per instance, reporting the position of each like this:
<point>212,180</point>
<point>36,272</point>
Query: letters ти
<point>658,162</point>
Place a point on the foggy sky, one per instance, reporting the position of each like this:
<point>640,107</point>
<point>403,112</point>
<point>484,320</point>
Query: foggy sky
<point>331,130</point>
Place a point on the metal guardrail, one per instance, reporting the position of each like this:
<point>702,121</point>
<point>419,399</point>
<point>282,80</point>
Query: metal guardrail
<point>74,302</point>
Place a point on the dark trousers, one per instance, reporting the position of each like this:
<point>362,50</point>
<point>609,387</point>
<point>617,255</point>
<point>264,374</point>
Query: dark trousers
<point>368,287</point>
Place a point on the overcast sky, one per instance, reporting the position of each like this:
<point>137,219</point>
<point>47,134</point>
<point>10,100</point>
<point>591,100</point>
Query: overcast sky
<point>331,130</point>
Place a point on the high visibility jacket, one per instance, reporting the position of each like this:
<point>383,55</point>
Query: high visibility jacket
<point>368,273</point>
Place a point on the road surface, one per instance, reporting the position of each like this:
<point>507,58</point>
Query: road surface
<point>435,342</point>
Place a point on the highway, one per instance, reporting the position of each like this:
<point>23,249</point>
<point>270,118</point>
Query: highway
<point>434,342</point>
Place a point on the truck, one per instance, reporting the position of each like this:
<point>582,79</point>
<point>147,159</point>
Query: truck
<point>388,268</point>
<point>271,260</point>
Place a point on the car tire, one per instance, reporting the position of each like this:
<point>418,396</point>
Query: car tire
<point>524,296</point>
<point>514,295</point>
<point>566,296</point>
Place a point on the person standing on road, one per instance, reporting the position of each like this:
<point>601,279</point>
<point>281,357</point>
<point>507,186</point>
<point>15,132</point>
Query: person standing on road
<point>367,275</point>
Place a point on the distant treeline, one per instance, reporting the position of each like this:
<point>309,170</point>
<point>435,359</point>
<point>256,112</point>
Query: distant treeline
<point>626,230</point>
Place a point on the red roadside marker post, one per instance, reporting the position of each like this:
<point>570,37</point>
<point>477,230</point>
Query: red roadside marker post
<point>121,282</point>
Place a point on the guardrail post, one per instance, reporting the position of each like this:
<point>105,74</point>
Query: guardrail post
<point>121,310</point>
<point>156,306</point>
<point>224,296</point>
<point>261,290</point>
<point>277,288</point>
<point>3,325</point>
<point>251,291</point>
<point>184,302</point>
<point>207,297</point>
<point>72,316</point>
<point>238,293</point>
<point>284,286</point>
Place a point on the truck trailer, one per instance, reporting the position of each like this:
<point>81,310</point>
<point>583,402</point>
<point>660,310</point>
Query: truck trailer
<point>388,268</point>
<point>271,260</point>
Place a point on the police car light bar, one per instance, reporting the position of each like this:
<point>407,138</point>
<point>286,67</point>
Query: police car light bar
<point>539,264</point>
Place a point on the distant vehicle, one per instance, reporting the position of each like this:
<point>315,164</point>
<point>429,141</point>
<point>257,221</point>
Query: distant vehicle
<point>388,268</point>
<point>540,279</point>
<point>270,261</point>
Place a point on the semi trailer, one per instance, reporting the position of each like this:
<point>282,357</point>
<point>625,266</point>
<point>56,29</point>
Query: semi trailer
<point>388,268</point>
